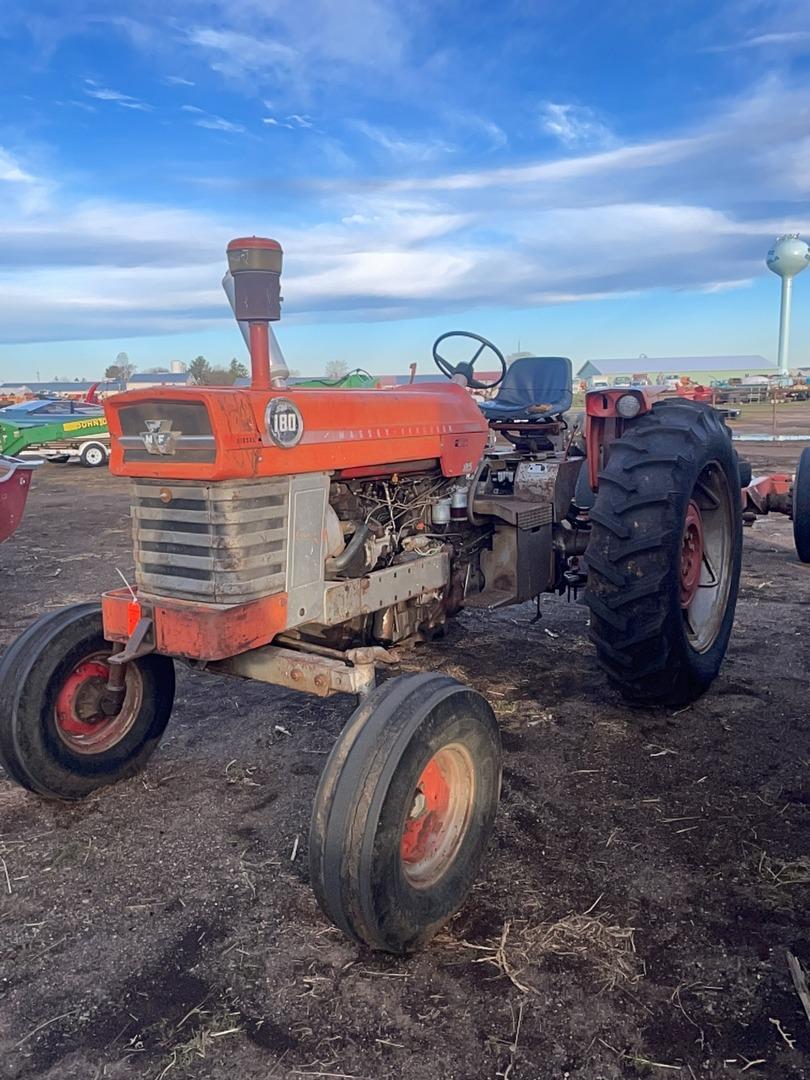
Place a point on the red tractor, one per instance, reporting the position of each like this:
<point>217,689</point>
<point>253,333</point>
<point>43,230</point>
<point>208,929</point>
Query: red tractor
<point>779,493</point>
<point>302,536</point>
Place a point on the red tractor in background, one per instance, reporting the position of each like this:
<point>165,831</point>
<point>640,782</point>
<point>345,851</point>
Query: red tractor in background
<point>303,537</point>
<point>779,493</point>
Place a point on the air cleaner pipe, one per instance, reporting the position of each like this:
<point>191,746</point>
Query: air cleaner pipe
<point>254,263</point>
<point>260,356</point>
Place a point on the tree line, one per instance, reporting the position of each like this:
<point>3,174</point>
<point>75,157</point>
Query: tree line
<point>203,373</point>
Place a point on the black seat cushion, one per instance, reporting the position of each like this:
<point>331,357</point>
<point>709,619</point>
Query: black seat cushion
<point>534,388</point>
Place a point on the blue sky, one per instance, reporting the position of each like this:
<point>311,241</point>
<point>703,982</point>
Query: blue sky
<point>580,178</point>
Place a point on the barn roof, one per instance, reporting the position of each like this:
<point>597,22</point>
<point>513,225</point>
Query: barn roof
<point>180,378</point>
<point>674,364</point>
<point>64,386</point>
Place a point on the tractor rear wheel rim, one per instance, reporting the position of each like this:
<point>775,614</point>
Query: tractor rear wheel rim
<point>439,816</point>
<point>691,554</point>
<point>80,722</point>
<point>707,555</point>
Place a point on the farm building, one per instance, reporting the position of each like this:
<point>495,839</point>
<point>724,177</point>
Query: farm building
<point>59,387</point>
<point>160,378</point>
<point>700,369</point>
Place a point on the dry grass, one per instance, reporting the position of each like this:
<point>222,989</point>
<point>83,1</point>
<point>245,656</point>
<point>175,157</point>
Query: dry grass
<point>212,1025</point>
<point>778,872</point>
<point>591,939</point>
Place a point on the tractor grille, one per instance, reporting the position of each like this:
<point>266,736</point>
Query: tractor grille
<point>221,543</point>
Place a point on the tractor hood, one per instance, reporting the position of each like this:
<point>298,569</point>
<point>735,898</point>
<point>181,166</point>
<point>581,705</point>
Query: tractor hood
<point>224,433</point>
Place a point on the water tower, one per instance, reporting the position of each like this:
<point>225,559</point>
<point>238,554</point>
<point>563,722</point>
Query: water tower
<point>787,258</point>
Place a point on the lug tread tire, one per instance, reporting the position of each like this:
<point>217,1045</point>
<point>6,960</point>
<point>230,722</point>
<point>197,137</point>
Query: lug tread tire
<point>633,555</point>
<point>30,750</point>
<point>355,830</point>
<point>801,506</point>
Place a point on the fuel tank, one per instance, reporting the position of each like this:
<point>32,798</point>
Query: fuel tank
<point>225,433</point>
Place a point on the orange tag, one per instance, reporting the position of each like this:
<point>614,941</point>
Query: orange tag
<point>133,616</point>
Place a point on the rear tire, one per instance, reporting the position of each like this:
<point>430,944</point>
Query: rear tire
<point>404,811</point>
<point>51,741</point>
<point>801,507</point>
<point>670,493</point>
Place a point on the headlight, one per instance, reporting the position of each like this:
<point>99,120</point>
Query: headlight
<point>628,406</point>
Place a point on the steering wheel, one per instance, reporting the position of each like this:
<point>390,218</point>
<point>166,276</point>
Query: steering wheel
<point>466,367</point>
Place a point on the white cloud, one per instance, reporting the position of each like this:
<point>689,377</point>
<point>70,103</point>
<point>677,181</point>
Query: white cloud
<point>622,160</point>
<point>208,120</point>
<point>727,286</point>
<point>574,125</point>
<point>782,26</point>
<point>241,55</point>
<point>11,171</point>
<point>103,93</point>
<point>785,40</point>
<point>293,122</point>
<point>292,50</point>
<point>400,147</point>
<point>177,80</point>
<point>785,37</point>
<point>484,134</point>
<point>598,225</point>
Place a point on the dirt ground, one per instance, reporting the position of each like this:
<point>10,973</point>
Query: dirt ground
<point>648,874</point>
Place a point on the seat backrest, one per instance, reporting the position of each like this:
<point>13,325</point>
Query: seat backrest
<point>538,380</point>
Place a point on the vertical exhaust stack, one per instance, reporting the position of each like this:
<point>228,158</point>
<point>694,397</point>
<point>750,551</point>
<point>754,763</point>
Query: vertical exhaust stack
<point>253,286</point>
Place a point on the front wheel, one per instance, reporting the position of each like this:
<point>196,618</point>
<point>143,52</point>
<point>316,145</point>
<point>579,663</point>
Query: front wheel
<point>664,554</point>
<point>801,507</point>
<point>404,811</point>
<point>55,737</point>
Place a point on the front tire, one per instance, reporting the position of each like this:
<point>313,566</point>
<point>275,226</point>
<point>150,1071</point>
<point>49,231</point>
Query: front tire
<point>664,554</point>
<point>404,811</point>
<point>54,740</point>
<point>801,507</point>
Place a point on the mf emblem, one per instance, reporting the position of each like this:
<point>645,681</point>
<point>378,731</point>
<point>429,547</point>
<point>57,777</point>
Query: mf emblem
<point>284,422</point>
<point>159,437</point>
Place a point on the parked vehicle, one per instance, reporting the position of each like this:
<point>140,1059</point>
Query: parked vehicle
<point>49,411</point>
<point>59,431</point>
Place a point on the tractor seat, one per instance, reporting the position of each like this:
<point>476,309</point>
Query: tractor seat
<point>534,388</point>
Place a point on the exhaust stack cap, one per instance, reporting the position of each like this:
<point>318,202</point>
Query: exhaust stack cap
<point>255,263</point>
<point>254,253</point>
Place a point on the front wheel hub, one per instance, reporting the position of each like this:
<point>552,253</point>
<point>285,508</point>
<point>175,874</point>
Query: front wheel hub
<point>84,719</point>
<point>439,815</point>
